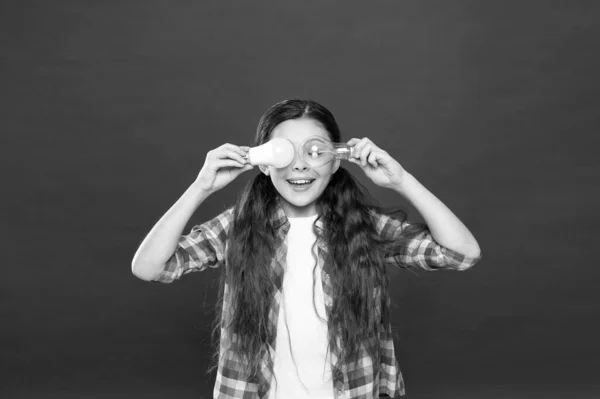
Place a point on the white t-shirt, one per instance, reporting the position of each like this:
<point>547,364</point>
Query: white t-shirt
<point>305,371</point>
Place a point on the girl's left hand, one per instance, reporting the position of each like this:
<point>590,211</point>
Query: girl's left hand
<point>377,164</point>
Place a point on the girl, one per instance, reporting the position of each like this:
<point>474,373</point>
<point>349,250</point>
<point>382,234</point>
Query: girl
<point>303,308</point>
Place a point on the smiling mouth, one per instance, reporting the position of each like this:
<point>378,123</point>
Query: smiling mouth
<point>300,182</point>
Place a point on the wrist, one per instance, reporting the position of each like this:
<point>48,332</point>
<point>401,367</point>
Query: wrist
<point>404,184</point>
<point>198,189</point>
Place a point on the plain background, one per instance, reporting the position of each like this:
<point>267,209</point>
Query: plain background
<point>108,110</point>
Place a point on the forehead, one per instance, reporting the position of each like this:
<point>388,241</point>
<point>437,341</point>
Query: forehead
<point>298,130</point>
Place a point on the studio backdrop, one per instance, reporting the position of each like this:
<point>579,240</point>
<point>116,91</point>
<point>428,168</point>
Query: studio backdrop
<point>108,112</point>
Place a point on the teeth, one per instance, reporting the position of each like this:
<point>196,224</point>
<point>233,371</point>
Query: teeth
<point>299,181</point>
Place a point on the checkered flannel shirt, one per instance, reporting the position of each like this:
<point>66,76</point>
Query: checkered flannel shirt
<point>205,247</point>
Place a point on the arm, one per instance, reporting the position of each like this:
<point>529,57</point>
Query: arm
<point>449,238</point>
<point>161,242</point>
<point>203,247</point>
<point>417,248</point>
<point>445,227</point>
<point>158,256</point>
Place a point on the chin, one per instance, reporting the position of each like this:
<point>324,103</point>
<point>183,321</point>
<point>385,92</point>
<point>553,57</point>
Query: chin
<point>299,203</point>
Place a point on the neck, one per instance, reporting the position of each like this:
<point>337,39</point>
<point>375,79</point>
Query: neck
<point>293,211</point>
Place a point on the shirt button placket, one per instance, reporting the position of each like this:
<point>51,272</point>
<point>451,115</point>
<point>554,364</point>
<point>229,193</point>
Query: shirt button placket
<point>339,393</point>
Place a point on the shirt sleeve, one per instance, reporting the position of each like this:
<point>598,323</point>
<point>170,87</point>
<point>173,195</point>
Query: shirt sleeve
<point>203,247</point>
<point>421,251</point>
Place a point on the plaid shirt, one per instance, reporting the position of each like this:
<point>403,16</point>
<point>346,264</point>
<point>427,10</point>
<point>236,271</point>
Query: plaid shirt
<point>205,247</point>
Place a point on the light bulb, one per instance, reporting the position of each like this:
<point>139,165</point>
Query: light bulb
<point>319,151</point>
<point>277,152</point>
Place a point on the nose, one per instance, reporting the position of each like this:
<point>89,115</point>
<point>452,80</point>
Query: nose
<point>298,163</point>
<point>301,168</point>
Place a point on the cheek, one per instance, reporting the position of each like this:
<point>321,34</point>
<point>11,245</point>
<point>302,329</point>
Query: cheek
<point>277,175</point>
<point>325,172</point>
<point>279,181</point>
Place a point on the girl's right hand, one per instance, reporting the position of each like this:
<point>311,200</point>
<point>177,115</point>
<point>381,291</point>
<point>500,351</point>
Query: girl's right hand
<point>222,166</point>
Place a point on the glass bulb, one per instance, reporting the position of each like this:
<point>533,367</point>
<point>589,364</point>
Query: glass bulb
<point>319,151</point>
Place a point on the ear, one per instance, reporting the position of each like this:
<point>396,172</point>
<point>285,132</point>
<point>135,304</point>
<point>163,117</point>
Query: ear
<point>336,166</point>
<point>264,169</point>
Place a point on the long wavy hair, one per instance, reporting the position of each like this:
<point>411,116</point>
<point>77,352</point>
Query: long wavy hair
<point>358,277</point>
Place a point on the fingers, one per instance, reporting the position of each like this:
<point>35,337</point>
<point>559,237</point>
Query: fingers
<point>238,149</point>
<point>372,159</point>
<point>225,163</point>
<point>229,151</point>
<point>239,171</point>
<point>364,151</point>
